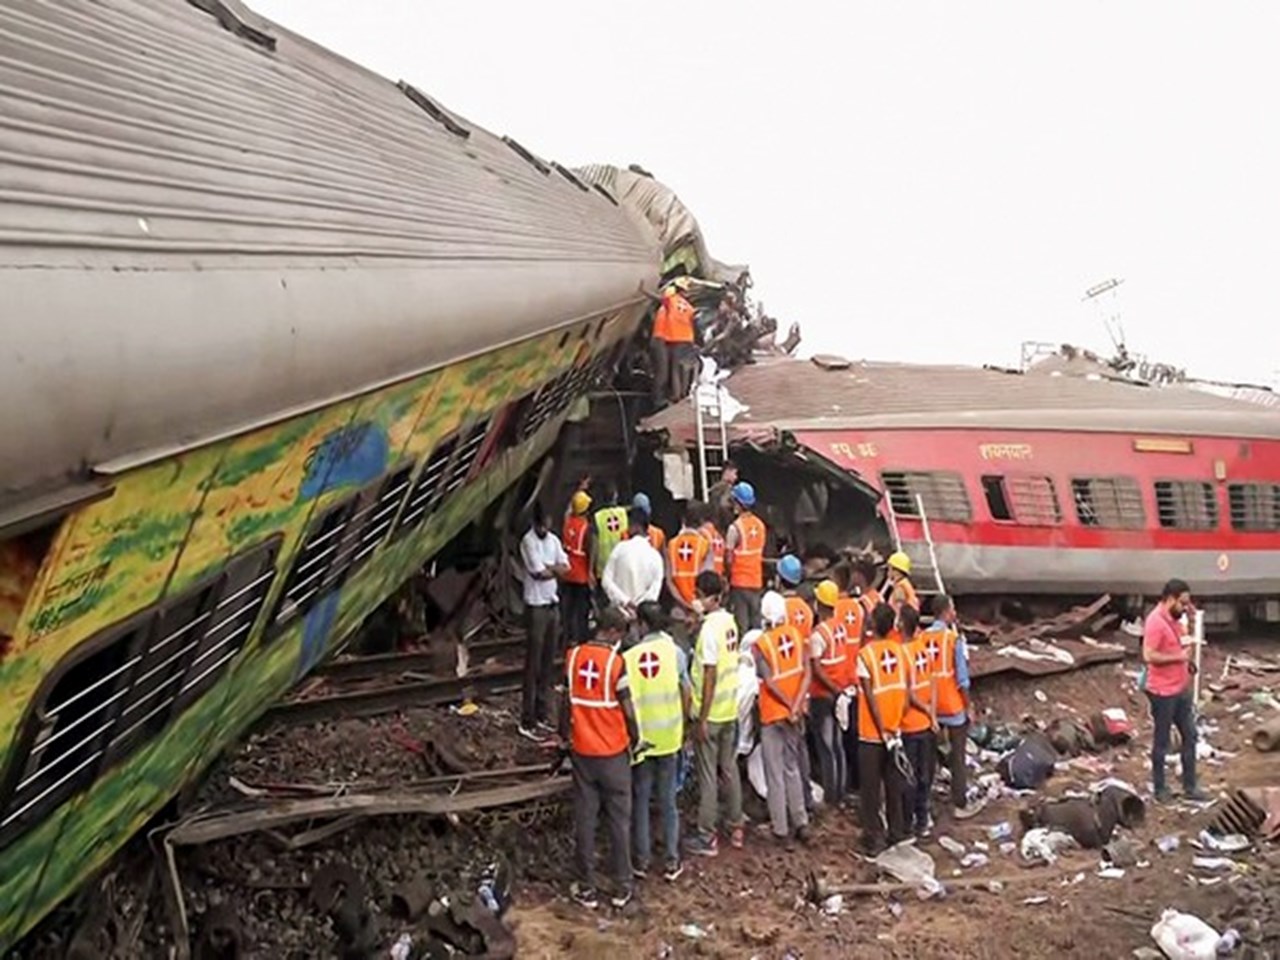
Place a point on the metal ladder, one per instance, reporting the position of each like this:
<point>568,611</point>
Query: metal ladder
<point>928,539</point>
<point>708,404</point>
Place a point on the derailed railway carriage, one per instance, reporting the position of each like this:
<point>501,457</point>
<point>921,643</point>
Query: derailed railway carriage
<point>274,330</point>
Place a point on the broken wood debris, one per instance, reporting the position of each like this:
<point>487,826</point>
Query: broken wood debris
<point>218,825</point>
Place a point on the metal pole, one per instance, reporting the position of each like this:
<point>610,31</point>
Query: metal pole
<point>1198,638</point>
<point>928,538</point>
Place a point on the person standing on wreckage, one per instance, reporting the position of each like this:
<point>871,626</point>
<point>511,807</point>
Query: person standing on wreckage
<point>599,723</point>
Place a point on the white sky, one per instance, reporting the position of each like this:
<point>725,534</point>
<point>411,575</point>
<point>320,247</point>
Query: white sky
<point>931,181</point>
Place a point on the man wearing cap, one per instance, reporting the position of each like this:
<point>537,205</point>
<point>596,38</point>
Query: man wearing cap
<point>672,346</point>
<point>657,536</point>
<point>744,558</point>
<point>782,664</point>
<point>831,662</point>
<point>800,616</point>
<point>575,597</point>
<point>901,591</point>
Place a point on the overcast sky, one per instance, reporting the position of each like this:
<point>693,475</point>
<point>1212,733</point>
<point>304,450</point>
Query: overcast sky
<point>925,181</point>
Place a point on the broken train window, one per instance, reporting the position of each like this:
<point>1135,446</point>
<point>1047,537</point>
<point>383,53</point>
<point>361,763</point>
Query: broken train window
<point>1028,500</point>
<point>1109,502</point>
<point>942,492</point>
<point>1186,505</point>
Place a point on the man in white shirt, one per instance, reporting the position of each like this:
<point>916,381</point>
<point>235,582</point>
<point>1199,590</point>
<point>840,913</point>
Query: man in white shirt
<point>542,560</point>
<point>635,571</point>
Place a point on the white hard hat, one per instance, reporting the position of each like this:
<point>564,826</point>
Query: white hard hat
<point>773,608</point>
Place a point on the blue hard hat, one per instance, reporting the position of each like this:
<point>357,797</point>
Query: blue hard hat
<point>790,570</point>
<point>641,502</point>
<point>744,493</point>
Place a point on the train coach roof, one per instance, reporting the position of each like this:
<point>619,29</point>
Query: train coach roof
<point>208,222</point>
<point>783,394</point>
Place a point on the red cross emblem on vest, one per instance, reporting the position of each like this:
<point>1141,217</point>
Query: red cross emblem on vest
<point>731,639</point>
<point>933,650</point>
<point>686,551</point>
<point>785,647</point>
<point>589,673</point>
<point>888,662</point>
<point>922,661</point>
<point>649,664</point>
<point>613,523</point>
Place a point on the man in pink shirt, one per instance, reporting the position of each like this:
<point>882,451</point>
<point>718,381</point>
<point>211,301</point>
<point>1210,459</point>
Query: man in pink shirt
<point>1168,687</point>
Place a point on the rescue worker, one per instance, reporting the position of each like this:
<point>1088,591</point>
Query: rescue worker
<point>657,536</point>
<point>882,702</point>
<point>672,348</point>
<point>602,733</point>
<point>862,586</point>
<point>901,591</point>
<point>744,559</point>
<point>852,612</point>
<point>720,496</point>
<point>950,658</point>
<point>658,674</point>
<point>688,554</point>
<point>575,593</point>
<point>714,675</point>
<point>608,529</point>
<point>832,669</point>
<point>782,664</point>
<point>918,722</point>
<point>849,607</point>
<point>799,613</point>
<point>710,528</point>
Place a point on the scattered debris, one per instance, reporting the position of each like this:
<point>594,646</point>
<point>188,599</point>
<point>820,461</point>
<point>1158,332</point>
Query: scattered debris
<point>1184,936</point>
<point>1267,737</point>
<point>1043,845</point>
<point>1168,843</point>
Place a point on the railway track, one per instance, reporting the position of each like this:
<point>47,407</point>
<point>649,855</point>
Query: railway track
<point>414,661</point>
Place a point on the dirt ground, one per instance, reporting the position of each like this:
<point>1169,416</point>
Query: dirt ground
<point>749,903</point>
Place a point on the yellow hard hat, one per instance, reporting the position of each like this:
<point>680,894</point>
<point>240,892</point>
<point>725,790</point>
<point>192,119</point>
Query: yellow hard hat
<point>900,561</point>
<point>827,593</point>
<point>581,502</point>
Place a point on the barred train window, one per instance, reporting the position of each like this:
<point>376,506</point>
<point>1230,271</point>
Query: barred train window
<point>1255,507</point>
<point>1186,505</point>
<point>942,492</point>
<point>126,686</point>
<point>428,489</point>
<point>1028,500</point>
<point>1110,502</point>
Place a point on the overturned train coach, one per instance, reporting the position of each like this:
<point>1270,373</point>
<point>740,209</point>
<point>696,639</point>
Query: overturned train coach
<point>1017,483</point>
<point>275,329</point>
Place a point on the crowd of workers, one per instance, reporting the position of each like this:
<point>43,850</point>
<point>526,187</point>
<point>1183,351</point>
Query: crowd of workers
<point>845,669</point>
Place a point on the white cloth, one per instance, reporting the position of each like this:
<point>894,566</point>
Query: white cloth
<point>538,554</point>
<point>635,573</point>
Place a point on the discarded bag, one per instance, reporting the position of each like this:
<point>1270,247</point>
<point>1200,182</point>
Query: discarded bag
<point>1111,727</point>
<point>1183,936</point>
<point>1030,764</point>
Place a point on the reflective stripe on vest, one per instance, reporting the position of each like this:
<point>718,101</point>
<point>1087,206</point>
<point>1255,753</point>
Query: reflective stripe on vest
<point>653,677</point>
<point>717,546</point>
<point>724,704</point>
<point>835,660</point>
<point>783,650</point>
<point>575,545</point>
<point>748,553</point>
<point>611,530</point>
<point>917,652</point>
<point>942,644</point>
<point>883,659</point>
<point>687,554</point>
<point>598,726</point>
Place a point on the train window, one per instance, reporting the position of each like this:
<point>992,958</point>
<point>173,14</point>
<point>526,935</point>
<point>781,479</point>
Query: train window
<point>383,506</point>
<point>309,579</point>
<point>468,451</point>
<point>552,398</point>
<point>428,489</point>
<point>1255,507</point>
<point>1028,500</point>
<point>1186,505</point>
<point>941,491</point>
<point>65,737</point>
<point>1110,502</point>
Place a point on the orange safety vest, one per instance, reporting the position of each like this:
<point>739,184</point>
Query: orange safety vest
<point>784,651</point>
<point>800,615</point>
<point>598,727</point>
<point>850,613</point>
<point>747,572</point>
<point>941,645</point>
<point>837,659</point>
<point>657,537</point>
<point>884,661</point>
<point>709,531</point>
<point>687,554</point>
<point>917,653</point>
<point>575,545</point>
<point>904,592</point>
<point>673,322</point>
